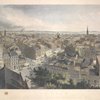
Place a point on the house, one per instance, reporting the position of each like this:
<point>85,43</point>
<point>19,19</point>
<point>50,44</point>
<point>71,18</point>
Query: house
<point>11,59</point>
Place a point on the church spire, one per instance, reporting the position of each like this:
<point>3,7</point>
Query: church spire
<point>87,31</point>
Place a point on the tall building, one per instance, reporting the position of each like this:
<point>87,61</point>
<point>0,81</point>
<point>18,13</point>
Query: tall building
<point>11,60</point>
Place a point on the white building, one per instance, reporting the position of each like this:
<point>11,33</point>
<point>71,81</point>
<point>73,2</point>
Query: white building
<point>14,60</point>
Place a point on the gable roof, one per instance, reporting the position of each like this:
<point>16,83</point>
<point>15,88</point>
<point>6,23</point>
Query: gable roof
<point>11,80</point>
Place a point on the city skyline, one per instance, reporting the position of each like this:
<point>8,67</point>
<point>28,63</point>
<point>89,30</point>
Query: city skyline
<point>50,17</point>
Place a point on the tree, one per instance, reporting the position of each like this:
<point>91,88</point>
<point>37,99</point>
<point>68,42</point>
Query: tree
<point>83,85</point>
<point>58,80</point>
<point>50,86</point>
<point>70,50</point>
<point>69,86</point>
<point>71,82</point>
<point>42,76</point>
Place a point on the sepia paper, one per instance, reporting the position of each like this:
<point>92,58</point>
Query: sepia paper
<point>50,94</point>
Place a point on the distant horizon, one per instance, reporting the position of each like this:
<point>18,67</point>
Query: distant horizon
<point>55,32</point>
<point>48,30</point>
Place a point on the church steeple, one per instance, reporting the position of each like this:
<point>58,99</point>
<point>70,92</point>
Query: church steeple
<point>87,32</point>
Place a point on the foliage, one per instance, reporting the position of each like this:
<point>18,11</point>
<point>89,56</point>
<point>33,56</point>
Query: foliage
<point>43,78</point>
<point>50,86</point>
<point>83,85</point>
<point>70,50</point>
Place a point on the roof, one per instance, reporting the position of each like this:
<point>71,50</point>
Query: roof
<point>11,80</point>
<point>98,58</point>
<point>13,53</point>
<point>86,62</point>
<point>27,51</point>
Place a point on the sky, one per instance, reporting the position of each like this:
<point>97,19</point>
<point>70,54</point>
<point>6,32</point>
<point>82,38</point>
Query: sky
<point>50,17</point>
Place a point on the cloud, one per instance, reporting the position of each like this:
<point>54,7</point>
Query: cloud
<point>13,18</point>
<point>18,18</point>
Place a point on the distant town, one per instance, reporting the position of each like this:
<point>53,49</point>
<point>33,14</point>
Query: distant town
<point>49,60</point>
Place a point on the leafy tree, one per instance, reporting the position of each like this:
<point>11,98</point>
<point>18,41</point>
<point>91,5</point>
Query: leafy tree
<point>71,82</point>
<point>58,80</point>
<point>69,86</point>
<point>70,50</point>
<point>50,86</point>
<point>83,85</point>
<point>42,76</point>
